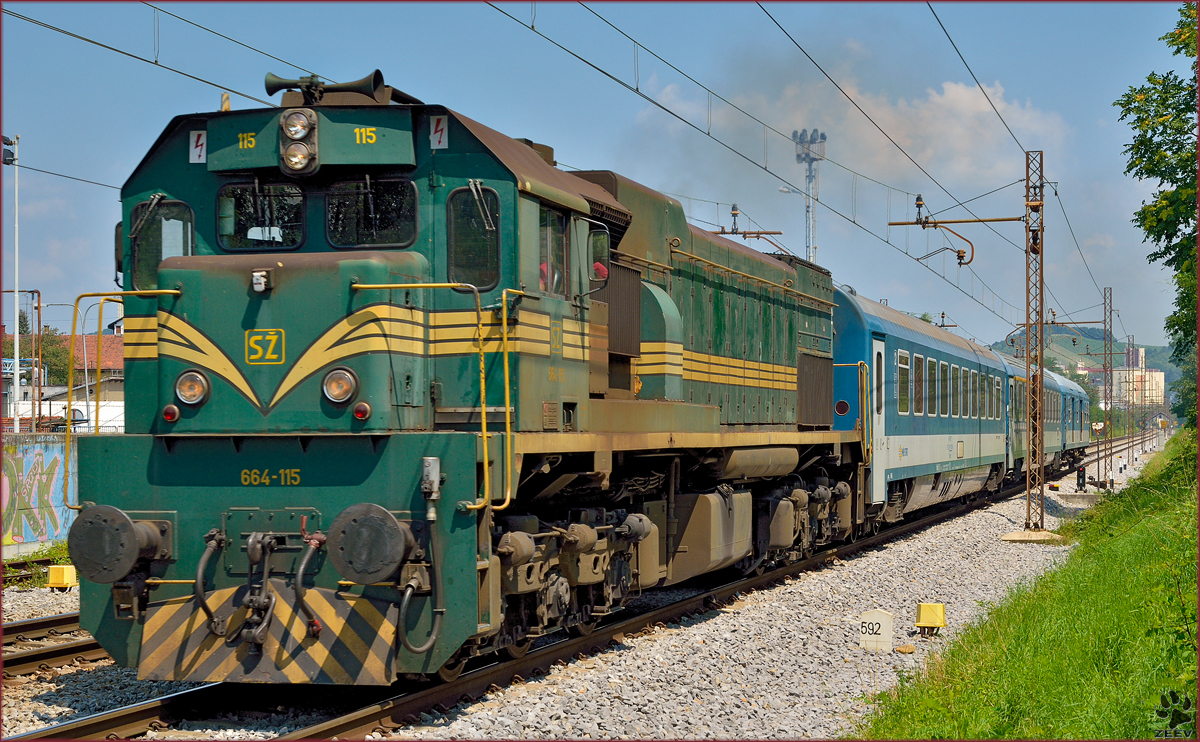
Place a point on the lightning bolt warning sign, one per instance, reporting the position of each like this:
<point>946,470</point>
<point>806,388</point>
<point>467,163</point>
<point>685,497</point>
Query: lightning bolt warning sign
<point>438,136</point>
<point>198,151</point>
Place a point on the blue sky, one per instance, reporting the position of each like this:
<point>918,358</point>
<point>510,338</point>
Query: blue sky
<point>1053,70</point>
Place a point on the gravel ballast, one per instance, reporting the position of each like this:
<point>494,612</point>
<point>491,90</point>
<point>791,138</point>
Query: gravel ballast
<point>779,663</point>
<point>20,604</point>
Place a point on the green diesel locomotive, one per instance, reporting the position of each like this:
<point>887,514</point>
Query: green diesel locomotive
<point>400,392</point>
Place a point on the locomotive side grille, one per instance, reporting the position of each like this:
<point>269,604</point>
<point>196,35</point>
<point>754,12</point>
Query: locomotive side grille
<point>814,391</point>
<point>623,294</point>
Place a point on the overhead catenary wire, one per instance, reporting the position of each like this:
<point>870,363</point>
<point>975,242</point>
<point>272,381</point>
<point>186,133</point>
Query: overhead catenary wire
<point>230,38</point>
<point>122,52</point>
<point>1021,147</point>
<point>893,141</point>
<point>761,166</point>
<point>973,77</point>
<point>1077,247</point>
<point>733,105</point>
<point>69,177</point>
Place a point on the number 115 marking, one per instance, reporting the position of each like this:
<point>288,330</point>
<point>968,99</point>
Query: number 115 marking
<point>365,135</point>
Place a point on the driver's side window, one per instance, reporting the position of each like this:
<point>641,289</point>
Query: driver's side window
<point>553,250</point>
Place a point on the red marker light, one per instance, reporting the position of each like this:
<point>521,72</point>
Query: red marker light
<point>362,411</point>
<point>170,413</point>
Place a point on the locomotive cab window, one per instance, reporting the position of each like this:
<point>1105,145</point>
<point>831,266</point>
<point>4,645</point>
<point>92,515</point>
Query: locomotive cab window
<point>254,216</point>
<point>918,385</point>
<point>473,236</point>
<point>553,246</point>
<point>374,213</point>
<point>902,382</point>
<point>161,229</point>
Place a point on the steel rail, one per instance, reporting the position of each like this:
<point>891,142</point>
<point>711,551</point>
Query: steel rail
<point>29,661</point>
<point>40,628</point>
<point>25,568</point>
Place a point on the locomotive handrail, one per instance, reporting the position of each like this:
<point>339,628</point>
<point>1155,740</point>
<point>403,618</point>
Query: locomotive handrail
<point>636,259</point>
<point>487,479</point>
<point>71,374</point>
<point>100,353</point>
<point>864,377</point>
<point>779,286</point>
<point>508,433</point>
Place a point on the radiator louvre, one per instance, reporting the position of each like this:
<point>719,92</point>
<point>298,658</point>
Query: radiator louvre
<point>623,294</point>
<point>814,381</point>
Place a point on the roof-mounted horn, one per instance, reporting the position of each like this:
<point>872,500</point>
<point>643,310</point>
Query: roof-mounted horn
<point>313,89</point>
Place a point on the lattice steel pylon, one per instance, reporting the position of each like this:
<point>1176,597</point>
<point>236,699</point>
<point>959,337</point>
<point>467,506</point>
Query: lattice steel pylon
<point>1105,468</point>
<point>1035,479</point>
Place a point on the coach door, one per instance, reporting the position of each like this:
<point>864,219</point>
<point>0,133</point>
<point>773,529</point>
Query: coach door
<point>879,442</point>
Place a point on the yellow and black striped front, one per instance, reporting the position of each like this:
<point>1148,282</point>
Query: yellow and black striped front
<point>355,647</point>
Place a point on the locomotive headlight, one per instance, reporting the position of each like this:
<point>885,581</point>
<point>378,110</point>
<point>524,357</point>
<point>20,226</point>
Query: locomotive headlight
<point>296,125</point>
<point>297,155</point>
<point>339,386</point>
<point>191,387</point>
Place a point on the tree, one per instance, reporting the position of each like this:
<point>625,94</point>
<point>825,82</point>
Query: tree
<point>23,323</point>
<point>926,317</point>
<point>54,352</point>
<point>1162,114</point>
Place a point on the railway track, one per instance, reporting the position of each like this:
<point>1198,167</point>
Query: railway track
<point>390,708</point>
<point>41,628</point>
<point>19,660</point>
<point>24,569</point>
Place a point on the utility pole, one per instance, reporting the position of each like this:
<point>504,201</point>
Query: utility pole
<point>1106,458</point>
<point>810,150</point>
<point>10,158</point>
<point>1035,480</point>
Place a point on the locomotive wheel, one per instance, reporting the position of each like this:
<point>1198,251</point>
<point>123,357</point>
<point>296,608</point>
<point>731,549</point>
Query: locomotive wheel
<point>517,650</point>
<point>582,629</point>
<point>450,671</point>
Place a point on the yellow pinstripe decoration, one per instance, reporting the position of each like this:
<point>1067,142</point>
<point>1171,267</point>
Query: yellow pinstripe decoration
<point>672,359</point>
<point>141,337</point>
<point>380,328</point>
<point>178,339</point>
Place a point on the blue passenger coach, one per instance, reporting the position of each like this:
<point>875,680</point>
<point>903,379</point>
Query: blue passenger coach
<point>936,406</point>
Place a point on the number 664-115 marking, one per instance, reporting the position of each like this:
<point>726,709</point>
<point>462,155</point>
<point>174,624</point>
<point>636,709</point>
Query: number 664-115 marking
<point>869,628</point>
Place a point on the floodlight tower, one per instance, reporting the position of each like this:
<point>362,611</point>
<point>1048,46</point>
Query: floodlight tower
<point>810,150</point>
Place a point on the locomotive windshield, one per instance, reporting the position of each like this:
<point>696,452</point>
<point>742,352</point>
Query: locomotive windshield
<point>161,229</point>
<point>372,212</point>
<point>257,216</point>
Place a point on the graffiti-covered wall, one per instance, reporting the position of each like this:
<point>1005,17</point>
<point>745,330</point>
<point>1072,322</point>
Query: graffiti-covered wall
<point>31,491</point>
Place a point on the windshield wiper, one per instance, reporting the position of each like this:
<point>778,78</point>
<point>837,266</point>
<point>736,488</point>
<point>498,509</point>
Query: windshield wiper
<point>152,204</point>
<point>476,187</point>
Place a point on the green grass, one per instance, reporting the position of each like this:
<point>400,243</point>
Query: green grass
<point>56,550</point>
<point>1084,651</point>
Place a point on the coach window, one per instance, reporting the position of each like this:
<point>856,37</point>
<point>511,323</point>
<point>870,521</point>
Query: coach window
<point>554,244</point>
<point>254,216</point>
<point>371,213</point>
<point>902,382</point>
<point>473,236</point>
<point>944,389</point>
<point>974,394</point>
<point>955,392</point>
<point>161,230</point>
<point>931,402</point>
<point>918,385</point>
<point>878,382</point>
<point>996,398</point>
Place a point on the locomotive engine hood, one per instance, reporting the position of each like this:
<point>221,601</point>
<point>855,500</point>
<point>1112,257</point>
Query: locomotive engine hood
<point>263,352</point>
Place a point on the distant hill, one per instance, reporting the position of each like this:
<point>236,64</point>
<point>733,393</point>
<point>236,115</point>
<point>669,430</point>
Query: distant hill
<point>1068,355</point>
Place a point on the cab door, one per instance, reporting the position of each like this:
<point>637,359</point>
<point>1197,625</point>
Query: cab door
<point>880,455</point>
